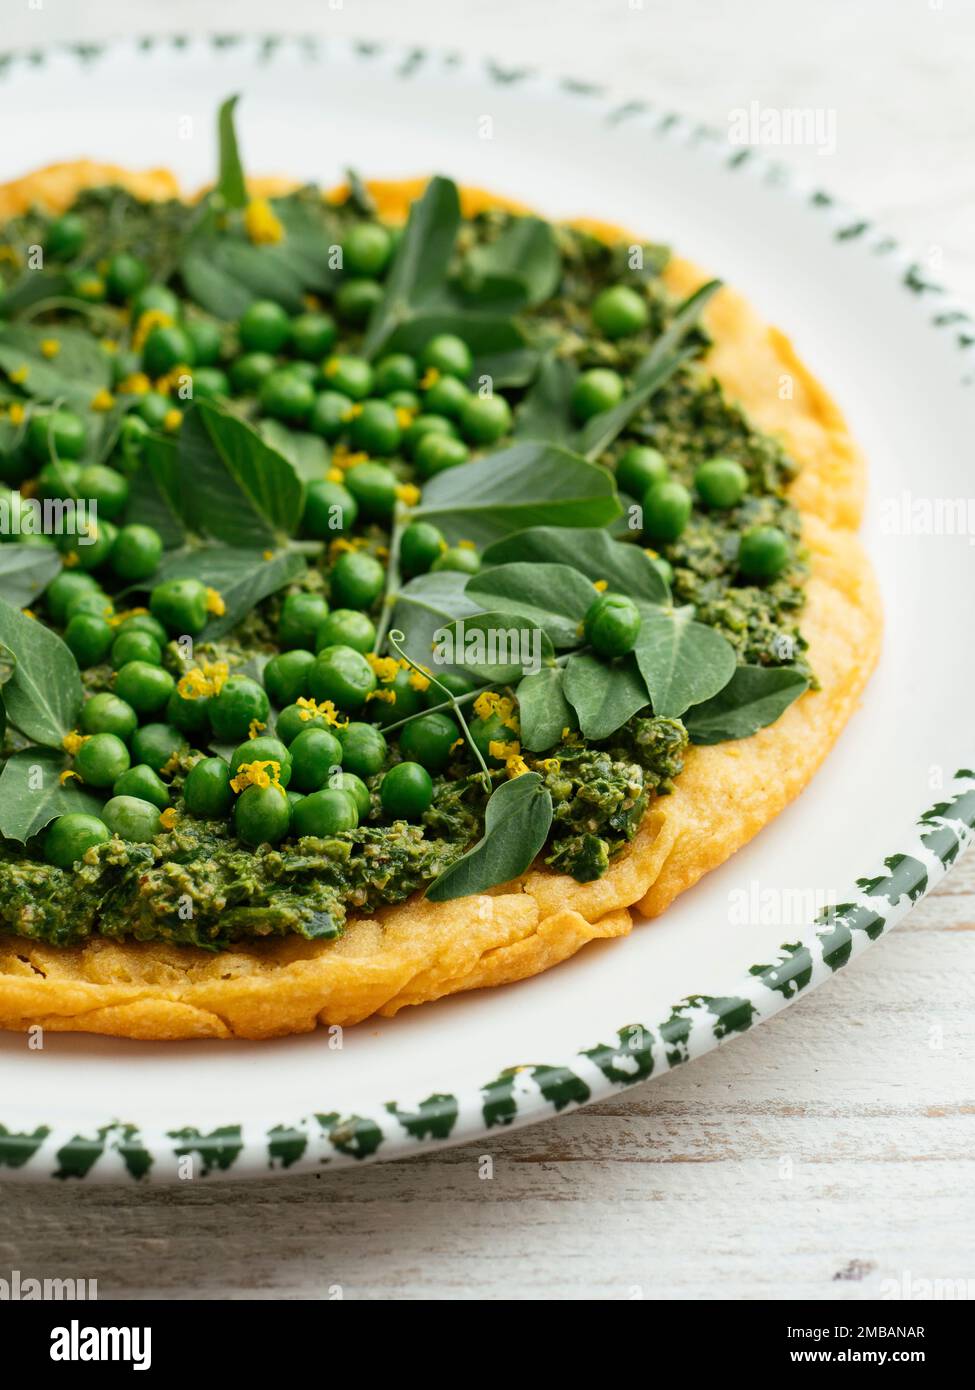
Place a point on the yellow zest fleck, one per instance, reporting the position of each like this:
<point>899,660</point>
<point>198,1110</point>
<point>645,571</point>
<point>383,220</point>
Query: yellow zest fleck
<point>323,709</point>
<point>168,818</point>
<point>264,773</point>
<point>418,681</point>
<point>67,774</point>
<point>389,696</point>
<point>254,728</point>
<point>113,619</point>
<point>457,743</point>
<point>70,559</point>
<point>50,347</point>
<point>311,301</point>
<point>92,284</point>
<point>652,553</point>
<point>262,224</point>
<point>152,318</point>
<point>170,766</point>
<point>382,551</point>
<point>353,412</point>
<point>515,765</point>
<point>73,741</point>
<point>29,613</point>
<point>102,400</point>
<point>408,494</point>
<point>172,420</point>
<point>19,375</point>
<point>347,458</point>
<point>203,681</point>
<point>109,345</point>
<point>332,366</point>
<point>384,667</point>
<point>137,384</point>
<point>550,765</point>
<point>498,748</point>
<point>404,416</point>
<point>334,475</point>
<point>429,378</point>
<point>215,603</point>
<point>17,415</point>
<point>601,584</point>
<point>467,545</point>
<point>173,379</point>
<point>490,702</point>
<point>7,253</point>
<point>566,731</point>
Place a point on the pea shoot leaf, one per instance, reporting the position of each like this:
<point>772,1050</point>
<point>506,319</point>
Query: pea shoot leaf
<point>526,485</point>
<point>43,696</point>
<point>682,662</point>
<point>592,551</point>
<point>230,179</point>
<point>543,709</point>
<point>427,604</point>
<point>307,453</point>
<point>753,698</point>
<point>80,369</point>
<point>516,824</point>
<point>26,571</point>
<point>544,413</point>
<point>554,598</point>
<point>604,694</point>
<point>155,498</point>
<point>521,268</point>
<point>31,794</point>
<point>496,646</point>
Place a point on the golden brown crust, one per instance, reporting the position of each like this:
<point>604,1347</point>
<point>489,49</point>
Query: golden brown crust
<point>422,951</point>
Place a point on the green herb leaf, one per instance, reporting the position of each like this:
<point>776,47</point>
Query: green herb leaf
<point>426,605</point>
<point>8,664</point>
<point>523,486</point>
<point>43,696</point>
<point>419,270</point>
<point>492,339</point>
<point>242,578</point>
<point>660,363</point>
<point>230,179</point>
<point>592,551</point>
<point>360,200</point>
<point>152,487</point>
<point>80,369</point>
<point>516,825</point>
<point>682,662</point>
<point>604,694</point>
<point>231,485</point>
<point>307,453</point>
<point>31,796</point>
<point>543,709</point>
<point>26,571</point>
<point>753,698</point>
<point>521,268</point>
<point>554,598</point>
<point>493,647</point>
<point>544,413</point>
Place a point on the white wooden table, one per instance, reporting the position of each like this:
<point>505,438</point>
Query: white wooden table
<point>831,1153</point>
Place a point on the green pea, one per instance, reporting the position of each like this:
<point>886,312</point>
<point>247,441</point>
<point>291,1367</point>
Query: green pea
<point>166,349</point>
<point>66,236</point>
<point>57,434</point>
<point>190,716</point>
<point>375,428</point>
<point>406,791</point>
<point>373,486</point>
<point>209,383</point>
<point>315,755</point>
<point>101,759</point>
<point>350,376</point>
<point>153,409</point>
<point>262,815</point>
<point>294,720</point>
<point>612,625</point>
<point>144,686</point>
<point>263,749</point>
<point>449,355</point>
<point>355,300</point>
<point>70,837</point>
<point>88,638</point>
<point>595,391</point>
<point>448,396</point>
<point>666,510</point>
<point>158,299</point>
<point>286,676</point>
<point>764,552</point>
<point>462,558</point>
<point>105,713</point>
<point>330,510</point>
<point>144,622</point>
<point>206,791</point>
<point>396,372</point>
<point>239,702</point>
<point>135,646</point>
<point>330,414</point>
<point>420,544</point>
<point>436,452</point>
<point>346,627</point>
<point>285,396</point>
<point>62,588</point>
<point>342,675</point>
<point>207,340</point>
<point>301,617</point>
<point>424,425</point>
<point>357,579</point>
<point>142,782</point>
<point>125,276</point>
<point>721,483</point>
<point>325,813</point>
<point>366,249</point>
<point>312,335</point>
<point>639,468</point>
<point>136,552</point>
<point>181,606</point>
<point>429,739</point>
<point>619,311</point>
<point>131,818</point>
<point>485,419</point>
<point>156,744</point>
<point>357,789</point>
<point>364,749</point>
<point>249,371</point>
<point>264,327</point>
<point>457,683</point>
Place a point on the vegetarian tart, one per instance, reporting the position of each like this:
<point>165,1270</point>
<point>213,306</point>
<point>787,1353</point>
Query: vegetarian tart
<point>398,590</point>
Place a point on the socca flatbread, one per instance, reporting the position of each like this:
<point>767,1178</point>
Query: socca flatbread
<point>422,951</point>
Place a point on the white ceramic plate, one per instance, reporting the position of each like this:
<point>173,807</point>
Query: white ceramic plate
<point>894,351</point>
